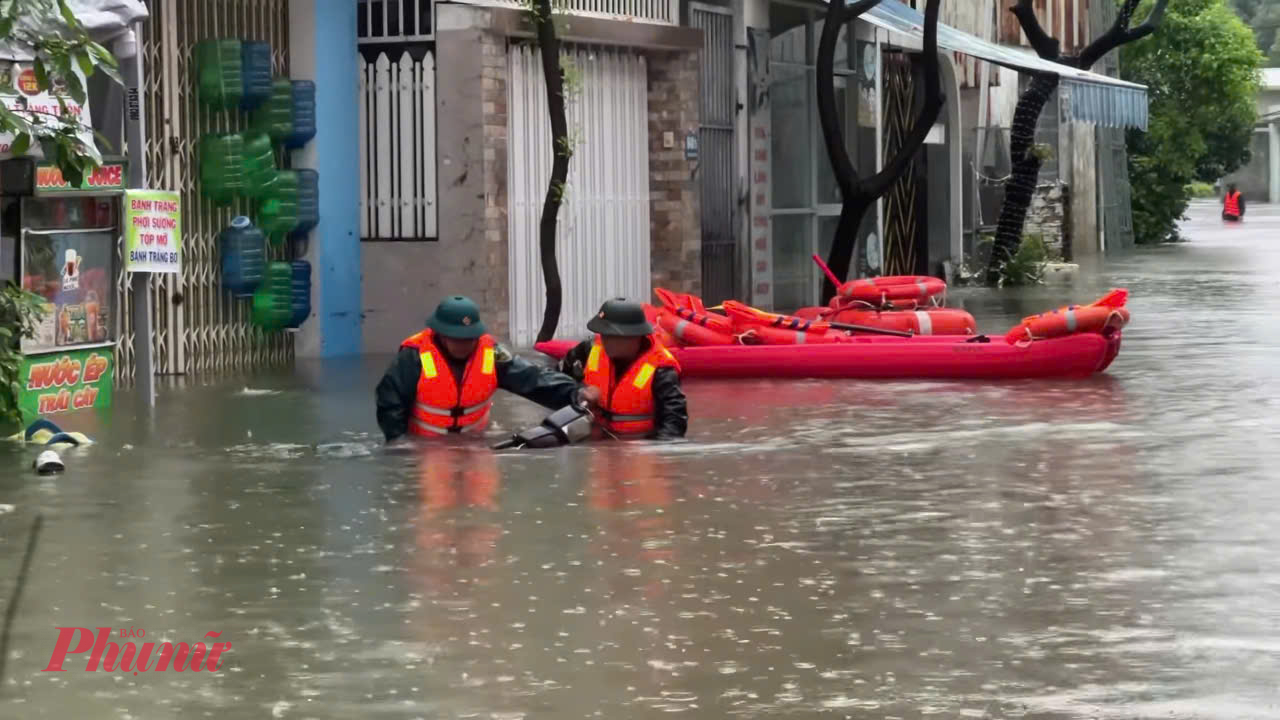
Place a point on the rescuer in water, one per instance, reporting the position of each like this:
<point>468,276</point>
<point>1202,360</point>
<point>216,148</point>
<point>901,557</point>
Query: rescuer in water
<point>443,380</point>
<point>1232,204</point>
<point>631,379</point>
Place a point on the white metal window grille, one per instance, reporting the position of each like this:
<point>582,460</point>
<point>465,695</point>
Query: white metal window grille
<point>397,106</point>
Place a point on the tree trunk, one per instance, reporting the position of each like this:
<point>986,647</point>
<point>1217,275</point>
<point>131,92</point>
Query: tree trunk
<point>845,244</point>
<point>1025,170</point>
<point>1021,186</point>
<point>858,194</point>
<point>549,45</point>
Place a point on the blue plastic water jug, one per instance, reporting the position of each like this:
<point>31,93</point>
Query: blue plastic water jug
<point>243,248</point>
<point>304,114</point>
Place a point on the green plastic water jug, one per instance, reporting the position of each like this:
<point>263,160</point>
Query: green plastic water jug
<point>273,301</point>
<point>275,116</point>
<point>278,208</point>
<point>259,164</point>
<point>219,72</point>
<point>221,167</point>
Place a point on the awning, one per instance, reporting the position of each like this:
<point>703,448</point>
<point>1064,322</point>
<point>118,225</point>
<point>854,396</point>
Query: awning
<point>1091,97</point>
<point>104,20</point>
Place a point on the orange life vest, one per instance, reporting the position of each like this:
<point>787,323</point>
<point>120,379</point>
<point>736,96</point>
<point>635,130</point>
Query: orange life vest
<point>441,406</point>
<point>627,406</point>
<point>1231,203</point>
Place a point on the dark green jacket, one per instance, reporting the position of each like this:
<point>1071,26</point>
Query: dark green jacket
<point>398,389</point>
<point>670,408</point>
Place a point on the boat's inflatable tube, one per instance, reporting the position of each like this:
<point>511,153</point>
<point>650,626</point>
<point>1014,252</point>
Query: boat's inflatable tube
<point>888,357</point>
<point>1067,321</point>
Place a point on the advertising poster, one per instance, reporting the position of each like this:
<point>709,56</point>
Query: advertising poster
<point>153,231</point>
<point>63,382</point>
<point>72,272</point>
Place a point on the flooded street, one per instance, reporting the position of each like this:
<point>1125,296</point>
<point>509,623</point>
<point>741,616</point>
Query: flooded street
<point>1104,548</point>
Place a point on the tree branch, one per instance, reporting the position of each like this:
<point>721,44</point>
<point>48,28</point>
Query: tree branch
<point>880,183</point>
<point>1119,33</point>
<point>1045,45</point>
<point>828,115</point>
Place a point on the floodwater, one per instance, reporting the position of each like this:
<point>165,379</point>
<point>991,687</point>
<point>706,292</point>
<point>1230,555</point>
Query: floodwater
<point>1085,549</point>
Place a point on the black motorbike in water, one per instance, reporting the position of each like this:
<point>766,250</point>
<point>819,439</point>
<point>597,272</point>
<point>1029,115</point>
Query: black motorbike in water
<point>568,425</point>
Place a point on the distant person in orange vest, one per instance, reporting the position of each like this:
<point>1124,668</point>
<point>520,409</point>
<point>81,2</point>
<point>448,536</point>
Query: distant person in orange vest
<point>1232,204</point>
<point>443,380</point>
<point>630,378</point>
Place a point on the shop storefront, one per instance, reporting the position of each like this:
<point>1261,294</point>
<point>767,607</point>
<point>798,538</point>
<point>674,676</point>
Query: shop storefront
<point>65,245</point>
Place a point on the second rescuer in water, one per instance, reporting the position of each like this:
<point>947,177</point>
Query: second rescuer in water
<point>633,380</point>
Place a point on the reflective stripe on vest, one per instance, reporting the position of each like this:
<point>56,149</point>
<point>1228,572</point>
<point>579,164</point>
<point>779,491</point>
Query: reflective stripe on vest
<point>1071,320</point>
<point>445,431</point>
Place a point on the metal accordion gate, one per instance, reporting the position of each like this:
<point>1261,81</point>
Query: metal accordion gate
<point>198,327</point>
<point>903,217</point>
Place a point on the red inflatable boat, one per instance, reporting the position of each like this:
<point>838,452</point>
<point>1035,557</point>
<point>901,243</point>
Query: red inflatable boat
<point>885,357</point>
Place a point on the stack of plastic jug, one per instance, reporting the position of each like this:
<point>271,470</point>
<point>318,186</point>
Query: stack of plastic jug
<point>256,63</point>
<point>219,72</point>
<point>308,201</point>
<point>304,114</point>
<point>244,257</point>
<point>273,301</point>
<point>275,116</point>
<point>278,207</point>
<point>301,292</point>
<point>222,166</point>
<point>259,164</point>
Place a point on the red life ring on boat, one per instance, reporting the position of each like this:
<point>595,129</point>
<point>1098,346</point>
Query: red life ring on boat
<point>934,321</point>
<point>892,288</point>
<point>1068,320</point>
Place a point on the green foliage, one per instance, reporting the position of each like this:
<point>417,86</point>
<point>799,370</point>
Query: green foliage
<point>1264,17</point>
<point>24,24</point>
<point>1026,267</point>
<point>1200,190</point>
<point>1201,70</point>
<point>20,312</point>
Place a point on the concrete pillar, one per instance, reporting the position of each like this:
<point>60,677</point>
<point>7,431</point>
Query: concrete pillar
<point>1273,158</point>
<point>322,48</point>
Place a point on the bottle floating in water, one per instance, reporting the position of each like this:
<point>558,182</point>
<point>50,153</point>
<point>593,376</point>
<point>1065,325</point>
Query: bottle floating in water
<point>243,250</point>
<point>301,289</point>
<point>304,114</point>
<point>222,167</point>
<point>308,201</point>
<point>259,164</point>
<point>275,116</point>
<point>219,72</point>
<point>278,208</point>
<point>256,64</point>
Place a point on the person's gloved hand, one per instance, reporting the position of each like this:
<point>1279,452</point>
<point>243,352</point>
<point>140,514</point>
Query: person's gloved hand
<point>590,396</point>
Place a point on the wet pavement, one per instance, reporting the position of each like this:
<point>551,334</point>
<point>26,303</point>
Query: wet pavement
<point>1101,548</point>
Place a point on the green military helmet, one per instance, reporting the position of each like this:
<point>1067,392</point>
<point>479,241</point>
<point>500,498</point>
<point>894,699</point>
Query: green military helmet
<point>620,317</point>
<point>457,317</point>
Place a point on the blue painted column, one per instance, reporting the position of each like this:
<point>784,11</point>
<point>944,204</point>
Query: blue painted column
<point>322,48</point>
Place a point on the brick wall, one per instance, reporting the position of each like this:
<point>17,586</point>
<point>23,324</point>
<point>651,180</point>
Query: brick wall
<point>493,84</point>
<point>675,227</point>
